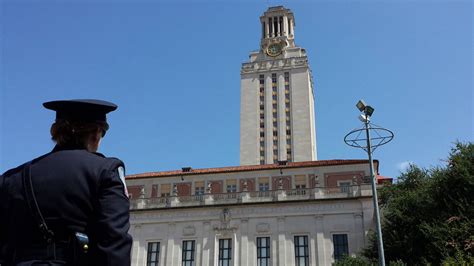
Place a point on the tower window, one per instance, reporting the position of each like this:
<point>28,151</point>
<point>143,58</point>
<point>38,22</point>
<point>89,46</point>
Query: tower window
<point>289,26</point>
<point>275,25</point>
<point>270,26</point>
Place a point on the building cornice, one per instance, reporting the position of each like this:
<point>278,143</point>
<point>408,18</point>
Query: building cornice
<point>249,168</point>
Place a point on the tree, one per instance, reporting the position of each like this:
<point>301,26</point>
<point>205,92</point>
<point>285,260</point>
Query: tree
<point>428,215</point>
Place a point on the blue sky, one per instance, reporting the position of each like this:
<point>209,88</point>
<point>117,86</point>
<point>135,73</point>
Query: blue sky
<point>174,70</point>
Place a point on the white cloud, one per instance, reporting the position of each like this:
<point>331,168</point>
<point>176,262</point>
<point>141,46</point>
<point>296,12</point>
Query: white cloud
<point>404,165</point>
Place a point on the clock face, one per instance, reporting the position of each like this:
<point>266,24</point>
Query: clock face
<point>274,49</point>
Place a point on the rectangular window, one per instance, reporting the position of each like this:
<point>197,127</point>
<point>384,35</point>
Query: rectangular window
<point>153,254</point>
<point>262,134</point>
<point>231,188</point>
<point>341,247</point>
<point>199,191</point>
<point>263,251</point>
<point>345,186</point>
<point>165,190</point>
<point>188,252</point>
<point>225,252</point>
<point>301,251</point>
<point>263,187</point>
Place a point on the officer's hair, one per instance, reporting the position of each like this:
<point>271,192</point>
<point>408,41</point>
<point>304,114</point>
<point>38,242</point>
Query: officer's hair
<point>75,133</point>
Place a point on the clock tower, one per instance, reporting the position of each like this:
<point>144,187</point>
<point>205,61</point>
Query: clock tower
<point>277,96</point>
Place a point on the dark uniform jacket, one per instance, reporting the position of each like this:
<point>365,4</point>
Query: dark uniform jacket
<point>77,191</point>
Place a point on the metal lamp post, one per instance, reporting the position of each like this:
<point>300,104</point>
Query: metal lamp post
<point>355,139</point>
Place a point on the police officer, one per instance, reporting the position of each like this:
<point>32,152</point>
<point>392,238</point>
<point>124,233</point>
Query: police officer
<point>69,206</point>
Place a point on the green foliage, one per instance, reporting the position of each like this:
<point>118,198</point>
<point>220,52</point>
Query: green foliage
<point>459,259</point>
<point>428,216</point>
<point>353,261</point>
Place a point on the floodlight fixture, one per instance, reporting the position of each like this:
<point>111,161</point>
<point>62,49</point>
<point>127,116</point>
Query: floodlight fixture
<point>366,109</point>
<point>361,105</point>
<point>369,110</point>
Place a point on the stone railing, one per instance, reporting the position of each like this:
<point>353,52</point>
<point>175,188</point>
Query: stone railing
<point>252,197</point>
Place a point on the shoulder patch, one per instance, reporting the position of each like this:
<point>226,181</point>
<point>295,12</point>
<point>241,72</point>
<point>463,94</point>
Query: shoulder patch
<point>121,173</point>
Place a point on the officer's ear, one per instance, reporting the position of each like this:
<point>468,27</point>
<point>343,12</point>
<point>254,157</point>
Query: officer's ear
<point>94,140</point>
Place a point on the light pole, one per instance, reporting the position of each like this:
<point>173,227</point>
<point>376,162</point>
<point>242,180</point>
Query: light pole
<point>353,139</point>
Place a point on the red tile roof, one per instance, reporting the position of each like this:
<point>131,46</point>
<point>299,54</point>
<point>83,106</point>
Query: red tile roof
<point>245,168</point>
<point>384,179</point>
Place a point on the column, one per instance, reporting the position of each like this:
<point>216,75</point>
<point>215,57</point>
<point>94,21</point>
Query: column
<point>244,241</point>
<point>136,247</point>
<point>272,27</point>
<point>267,30</point>
<point>235,248</point>
<point>319,229</point>
<point>279,26</point>
<point>206,245</point>
<point>281,242</point>
<point>169,259</point>
<point>359,234</point>
<point>285,25</point>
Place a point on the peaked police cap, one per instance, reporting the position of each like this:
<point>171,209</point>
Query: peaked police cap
<point>86,110</point>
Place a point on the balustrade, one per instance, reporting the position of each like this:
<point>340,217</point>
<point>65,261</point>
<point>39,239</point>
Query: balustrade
<point>252,197</point>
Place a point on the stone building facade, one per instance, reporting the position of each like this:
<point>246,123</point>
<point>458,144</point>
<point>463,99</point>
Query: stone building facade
<point>306,213</point>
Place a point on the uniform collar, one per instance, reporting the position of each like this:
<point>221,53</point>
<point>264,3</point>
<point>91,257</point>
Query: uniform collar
<point>73,147</point>
<point>67,147</point>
